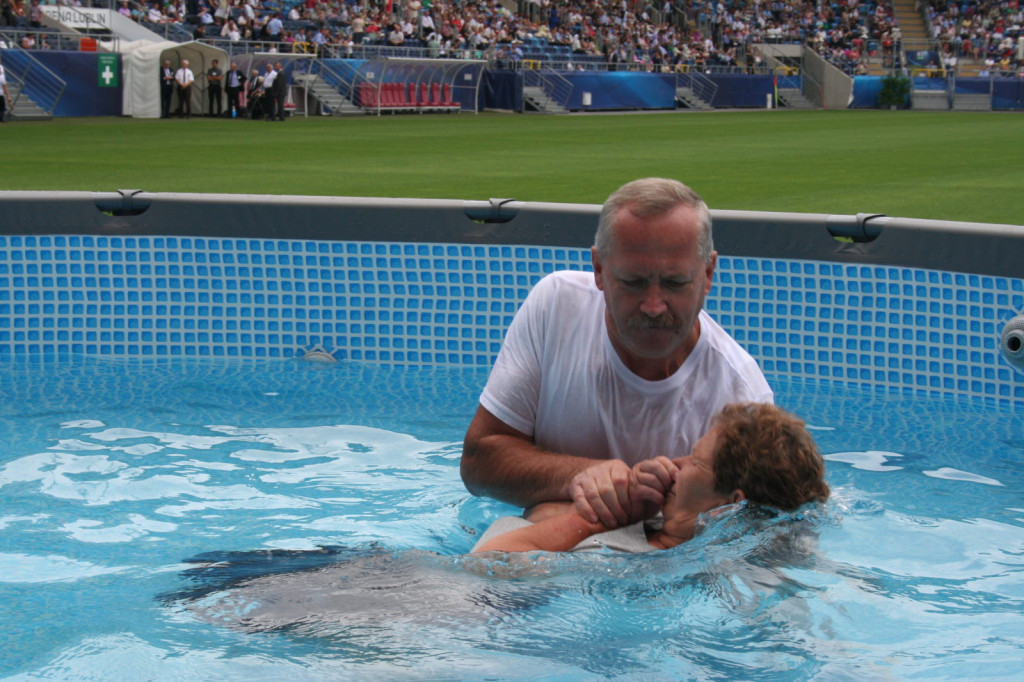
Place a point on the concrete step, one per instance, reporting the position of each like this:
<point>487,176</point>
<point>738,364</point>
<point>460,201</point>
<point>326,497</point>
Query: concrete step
<point>329,98</point>
<point>792,98</point>
<point>24,108</point>
<point>930,100</point>
<point>972,103</point>
<point>541,102</point>
<point>690,100</point>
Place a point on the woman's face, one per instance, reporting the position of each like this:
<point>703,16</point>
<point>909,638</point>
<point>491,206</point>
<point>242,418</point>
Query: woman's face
<point>693,491</point>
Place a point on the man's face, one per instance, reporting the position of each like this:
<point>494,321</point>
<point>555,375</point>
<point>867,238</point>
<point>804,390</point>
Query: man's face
<point>654,286</point>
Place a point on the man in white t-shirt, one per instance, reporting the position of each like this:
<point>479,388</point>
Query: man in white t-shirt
<point>600,371</point>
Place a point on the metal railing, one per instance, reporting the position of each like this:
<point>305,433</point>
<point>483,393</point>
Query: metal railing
<point>33,80</point>
<point>698,83</point>
<point>554,85</point>
<point>346,87</point>
<point>51,39</point>
<point>813,90</point>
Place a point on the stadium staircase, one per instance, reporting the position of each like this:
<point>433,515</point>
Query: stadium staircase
<point>545,92</point>
<point>537,100</point>
<point>332,102</point>
<point>913,30</point>
<point>696,91</point>
<point>794,98</point>
<point>34,89</point>
<point>689,99</point>
<point>914,37</point>
<point>25,109</point>
<point>787,68</point>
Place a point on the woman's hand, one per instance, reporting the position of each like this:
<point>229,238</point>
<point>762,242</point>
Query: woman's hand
<point>615,495</point>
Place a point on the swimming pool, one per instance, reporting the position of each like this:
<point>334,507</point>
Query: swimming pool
<point>155,412</point>
<point>159,462</point>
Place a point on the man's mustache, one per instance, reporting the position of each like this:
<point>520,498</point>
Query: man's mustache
<point>664,321</point>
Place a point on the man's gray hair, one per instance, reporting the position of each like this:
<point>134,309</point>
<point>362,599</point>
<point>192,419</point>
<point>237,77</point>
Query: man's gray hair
<point>649,197</point>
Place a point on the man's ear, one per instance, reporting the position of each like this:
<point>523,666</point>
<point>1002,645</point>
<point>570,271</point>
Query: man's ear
<point>737,496</point>
<point>709,272</point>
<point>595,260</point>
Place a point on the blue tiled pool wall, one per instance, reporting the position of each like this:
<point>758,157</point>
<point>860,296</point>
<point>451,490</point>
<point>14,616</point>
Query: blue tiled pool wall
<point>449,304</point>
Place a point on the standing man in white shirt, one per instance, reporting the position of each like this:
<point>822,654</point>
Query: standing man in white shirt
<point>184,78</point>
<point>5,96</point>
<point>601,370</point>
<point>268,92</point>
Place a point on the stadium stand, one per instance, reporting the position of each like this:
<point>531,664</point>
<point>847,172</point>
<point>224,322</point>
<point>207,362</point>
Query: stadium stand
<point>860,37</point>
<point>589,34</point>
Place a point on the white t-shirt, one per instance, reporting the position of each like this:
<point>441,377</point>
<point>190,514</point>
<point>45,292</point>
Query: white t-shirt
<point>631,538</point>
<point>558,379</point>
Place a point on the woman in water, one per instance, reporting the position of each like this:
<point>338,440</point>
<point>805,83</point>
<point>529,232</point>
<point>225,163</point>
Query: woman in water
<point>755,452</point>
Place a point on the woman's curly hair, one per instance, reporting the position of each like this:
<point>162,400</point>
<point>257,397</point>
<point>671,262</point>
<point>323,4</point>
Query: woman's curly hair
<point>768,454</point>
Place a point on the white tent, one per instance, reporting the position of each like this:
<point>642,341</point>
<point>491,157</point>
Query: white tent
<point>141,61</point>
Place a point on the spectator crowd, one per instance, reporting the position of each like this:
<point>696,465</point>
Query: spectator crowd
<point>987,31</point>
<point>651,34</point>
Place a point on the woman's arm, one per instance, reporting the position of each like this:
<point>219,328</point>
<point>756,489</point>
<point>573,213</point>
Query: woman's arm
<point>558,533</point>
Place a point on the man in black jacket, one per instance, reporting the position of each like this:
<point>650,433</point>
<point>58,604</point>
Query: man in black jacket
<point>234,82</point>
<point>277,92</point>
<point>166,88</point>
<point>254,95</point>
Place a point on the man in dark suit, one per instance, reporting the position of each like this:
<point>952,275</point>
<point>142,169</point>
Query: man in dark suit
<point>278,91</point>
<point>254,95</point>
<point>214,87</point>
<point>234,81</point>
<point>166,88</point>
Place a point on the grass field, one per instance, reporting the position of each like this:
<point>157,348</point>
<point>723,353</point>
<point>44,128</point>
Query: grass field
<point>958,166</point>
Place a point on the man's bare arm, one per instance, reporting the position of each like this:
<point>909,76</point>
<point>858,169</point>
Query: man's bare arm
<point>501,462</point>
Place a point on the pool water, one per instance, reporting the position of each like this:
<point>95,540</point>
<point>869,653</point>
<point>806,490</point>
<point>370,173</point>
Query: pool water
<point>193,520</point>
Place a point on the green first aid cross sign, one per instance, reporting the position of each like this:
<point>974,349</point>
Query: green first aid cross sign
<point>106,66</point>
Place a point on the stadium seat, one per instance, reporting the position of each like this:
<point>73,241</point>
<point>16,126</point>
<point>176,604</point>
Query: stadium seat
<point>369,95</point>
<point>446,98</point>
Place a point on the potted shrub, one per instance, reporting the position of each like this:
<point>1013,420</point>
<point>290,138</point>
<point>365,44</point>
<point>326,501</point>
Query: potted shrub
<point>895,91</point>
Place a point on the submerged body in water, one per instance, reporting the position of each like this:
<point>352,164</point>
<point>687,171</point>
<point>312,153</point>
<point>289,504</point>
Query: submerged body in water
<point>343,591</point>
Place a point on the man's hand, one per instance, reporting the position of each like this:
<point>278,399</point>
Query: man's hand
<point>615,495</point>
<point>601,493</point>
